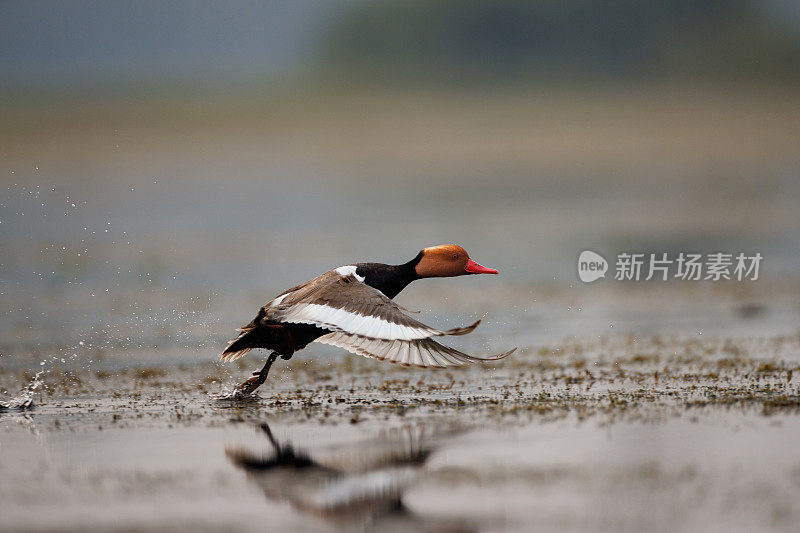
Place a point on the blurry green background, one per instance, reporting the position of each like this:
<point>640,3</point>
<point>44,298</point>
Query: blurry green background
<point>166,159</point>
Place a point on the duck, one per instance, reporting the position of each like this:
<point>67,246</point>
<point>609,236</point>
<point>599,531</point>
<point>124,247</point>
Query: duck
<point>352,307</point>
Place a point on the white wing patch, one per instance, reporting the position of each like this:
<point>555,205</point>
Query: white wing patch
<point>277,301</point>
<point>349,270</point>
<point>355,323</point>
<point>405,353</point>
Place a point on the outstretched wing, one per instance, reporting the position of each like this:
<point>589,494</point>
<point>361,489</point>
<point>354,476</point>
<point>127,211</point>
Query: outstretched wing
<point>417,352</point>
<point>364,321</point>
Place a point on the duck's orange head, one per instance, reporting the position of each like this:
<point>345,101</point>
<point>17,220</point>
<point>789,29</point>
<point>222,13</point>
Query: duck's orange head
<point>448,260</point>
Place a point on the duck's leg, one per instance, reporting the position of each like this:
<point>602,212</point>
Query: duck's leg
<point>257,379</point>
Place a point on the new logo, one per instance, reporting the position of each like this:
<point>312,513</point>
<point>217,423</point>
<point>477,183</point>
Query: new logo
<point>591,266</point>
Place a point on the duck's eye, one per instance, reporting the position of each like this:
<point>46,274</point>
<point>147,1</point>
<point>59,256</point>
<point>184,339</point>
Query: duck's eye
<point>455,257</point>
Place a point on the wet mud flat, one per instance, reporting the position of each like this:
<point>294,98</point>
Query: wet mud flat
<point>618,434</point>
<point>131,267</point>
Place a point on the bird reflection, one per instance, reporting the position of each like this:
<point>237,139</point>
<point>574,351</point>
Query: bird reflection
<point>360,485</point>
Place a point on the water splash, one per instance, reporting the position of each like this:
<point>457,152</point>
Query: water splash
<point>233,394</point>
<point>24,400</point>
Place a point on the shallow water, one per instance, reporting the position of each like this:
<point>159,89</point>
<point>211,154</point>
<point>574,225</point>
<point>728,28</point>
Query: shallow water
<point>614,435</point>
<point>128,262</point>
<point>712,469</point>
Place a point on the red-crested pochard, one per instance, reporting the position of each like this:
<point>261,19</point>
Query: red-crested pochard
<point>351,307</point>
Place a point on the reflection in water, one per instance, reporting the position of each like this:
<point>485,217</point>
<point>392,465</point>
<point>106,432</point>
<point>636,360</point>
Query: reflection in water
<point>358,485</point>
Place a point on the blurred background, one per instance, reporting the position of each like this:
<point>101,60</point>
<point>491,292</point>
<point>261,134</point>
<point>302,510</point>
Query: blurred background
<point>168,166</point>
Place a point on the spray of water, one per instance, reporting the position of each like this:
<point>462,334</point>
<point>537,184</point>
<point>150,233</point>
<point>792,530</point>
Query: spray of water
<point>24,400</point>
<point>86,285</point>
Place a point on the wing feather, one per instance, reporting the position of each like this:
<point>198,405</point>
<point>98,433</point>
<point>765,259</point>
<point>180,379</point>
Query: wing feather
<point>417,352</point>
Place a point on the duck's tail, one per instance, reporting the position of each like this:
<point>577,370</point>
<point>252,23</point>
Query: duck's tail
<point>253,335</point>
<point>239,346</point>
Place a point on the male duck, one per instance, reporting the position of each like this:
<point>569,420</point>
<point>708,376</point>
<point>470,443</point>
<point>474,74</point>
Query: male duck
<point>351,307</point>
